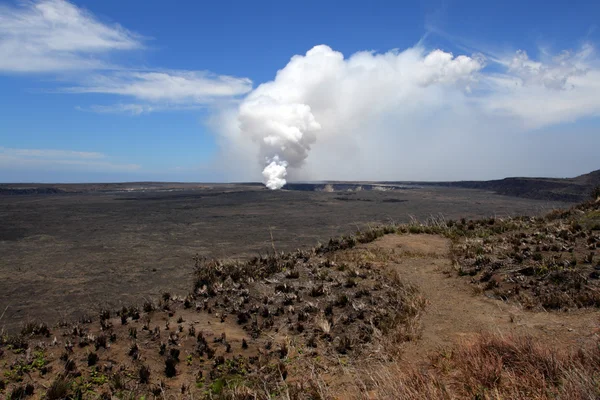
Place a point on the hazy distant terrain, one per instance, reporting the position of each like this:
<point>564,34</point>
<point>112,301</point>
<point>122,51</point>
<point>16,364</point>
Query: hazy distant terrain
<point>575,189</point>
<point>117,244</point>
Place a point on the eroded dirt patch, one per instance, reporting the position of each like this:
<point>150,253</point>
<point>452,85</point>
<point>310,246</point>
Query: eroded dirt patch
<point>455,310</point>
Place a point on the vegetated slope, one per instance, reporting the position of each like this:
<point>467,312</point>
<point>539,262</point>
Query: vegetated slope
<point>550,262</point>
<point>492,347</point>
<point>332,322</point>
<point>471,345</point>
<point>242,325</point>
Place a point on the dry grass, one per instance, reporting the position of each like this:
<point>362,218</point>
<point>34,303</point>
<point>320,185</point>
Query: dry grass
<point>489,366</point>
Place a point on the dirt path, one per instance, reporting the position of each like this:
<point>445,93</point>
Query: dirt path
<point>455,311</point>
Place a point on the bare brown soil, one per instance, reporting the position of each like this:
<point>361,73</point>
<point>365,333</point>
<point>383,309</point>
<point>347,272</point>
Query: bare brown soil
<point>455,311</point>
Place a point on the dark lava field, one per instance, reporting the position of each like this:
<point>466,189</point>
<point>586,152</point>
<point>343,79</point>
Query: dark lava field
<point>65,253</point>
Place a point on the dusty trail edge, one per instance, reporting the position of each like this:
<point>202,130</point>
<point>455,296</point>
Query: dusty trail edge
<point>455,312</point>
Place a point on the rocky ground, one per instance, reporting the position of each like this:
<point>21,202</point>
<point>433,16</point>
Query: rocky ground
<point>549,262</point>
<point>438,309</point>
<point>243,323</point>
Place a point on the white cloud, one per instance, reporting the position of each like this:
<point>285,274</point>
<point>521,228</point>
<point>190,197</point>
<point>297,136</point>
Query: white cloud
<point>179,87</point>
<point>51,154</point>
<point>55,35</point>
<point>120,108</point>
<point>136,109</point>
<point>539,94</point>
<point>552,75</point>
<point>413,114</point>
<point>13,158</point>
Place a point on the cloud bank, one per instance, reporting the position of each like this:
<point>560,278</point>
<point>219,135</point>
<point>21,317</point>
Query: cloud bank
<point>57,37</point>
<point>411,114</point>
<point>19,159</point>
<point>179,87</point>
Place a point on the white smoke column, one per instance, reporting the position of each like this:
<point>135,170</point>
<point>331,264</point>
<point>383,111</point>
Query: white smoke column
<point>284,130</point>
<point>285,133</point>
<point>322,94</point>
<point>275,173</point>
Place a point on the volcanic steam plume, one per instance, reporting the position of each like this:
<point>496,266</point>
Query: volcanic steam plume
<point>322,95</point>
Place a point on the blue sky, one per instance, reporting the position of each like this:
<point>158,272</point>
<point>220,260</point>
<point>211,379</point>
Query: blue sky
<point>145,90</point>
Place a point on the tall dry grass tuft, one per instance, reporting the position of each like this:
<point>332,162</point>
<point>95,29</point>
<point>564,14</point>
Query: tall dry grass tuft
<point>489,366</point>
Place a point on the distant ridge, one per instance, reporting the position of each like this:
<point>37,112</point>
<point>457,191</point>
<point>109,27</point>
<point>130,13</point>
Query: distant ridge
<point>556,189</point>
<point>573,190</point>
<point>591,178</point>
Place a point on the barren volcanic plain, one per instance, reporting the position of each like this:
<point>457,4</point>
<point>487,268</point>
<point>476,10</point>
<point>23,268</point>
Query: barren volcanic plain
<point>69,250</point>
